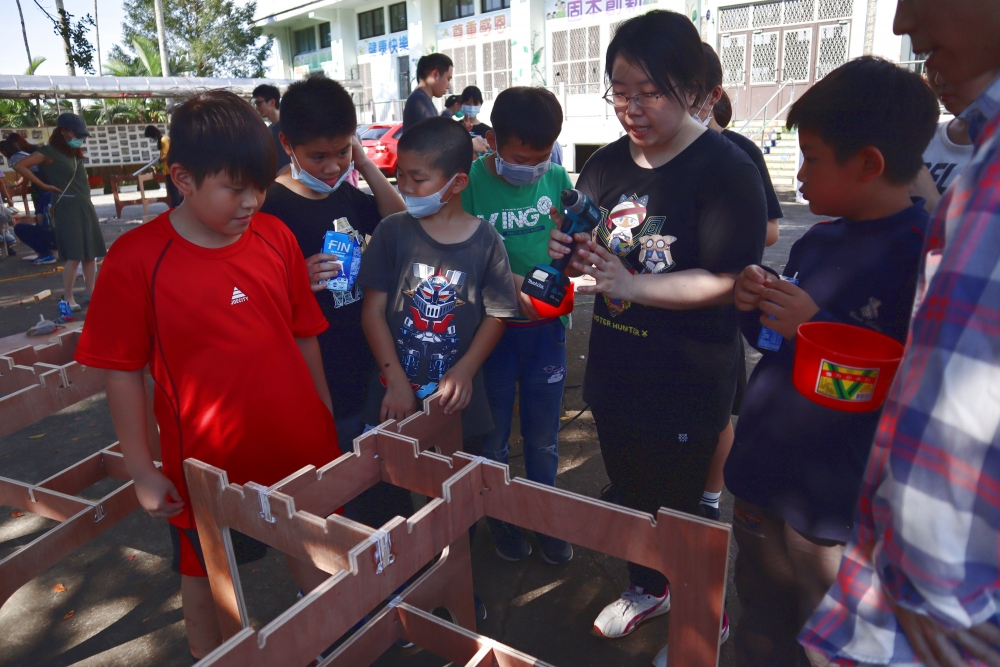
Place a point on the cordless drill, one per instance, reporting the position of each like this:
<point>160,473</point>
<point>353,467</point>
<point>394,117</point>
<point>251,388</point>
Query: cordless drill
<point>549,288</point>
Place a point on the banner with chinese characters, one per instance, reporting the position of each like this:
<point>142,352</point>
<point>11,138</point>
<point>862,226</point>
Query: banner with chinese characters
<point>311,61</point>
<point>575,9</point>
<point>383,46</point>
<point>475,27</point>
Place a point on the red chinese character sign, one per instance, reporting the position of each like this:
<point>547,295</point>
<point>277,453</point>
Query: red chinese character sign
<point>577,9</point>
<point>468,30</point>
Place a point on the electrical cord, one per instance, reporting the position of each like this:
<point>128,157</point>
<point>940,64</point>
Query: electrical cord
<point>573,419</point>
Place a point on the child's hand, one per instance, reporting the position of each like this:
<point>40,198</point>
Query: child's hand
<point>559,242</point>
<point>358,154</point>
<point>158,495</point>
<point>749,286</point>
<point>456,389</point>
<point>789,304</point>
<point>322,267</point>
<point>398,402</point>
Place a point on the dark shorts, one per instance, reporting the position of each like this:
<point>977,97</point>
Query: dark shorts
<point>189,561</point>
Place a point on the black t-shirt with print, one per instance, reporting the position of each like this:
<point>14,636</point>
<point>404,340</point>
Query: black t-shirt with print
<point>703,209</point>
<point>754,153</point>
<point>347,360</point>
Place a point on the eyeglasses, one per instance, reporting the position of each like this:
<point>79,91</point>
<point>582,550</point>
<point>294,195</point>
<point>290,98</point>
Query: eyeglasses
<point>646,100</point>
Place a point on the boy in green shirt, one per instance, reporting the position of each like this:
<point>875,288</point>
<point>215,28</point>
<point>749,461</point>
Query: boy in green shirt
<point>514,189</point>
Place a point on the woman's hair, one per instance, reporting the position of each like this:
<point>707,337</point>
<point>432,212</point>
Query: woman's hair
<point>674,59</point>
<point>153,132</point>
<point>15,143</point>
<point>58,140</point>
<point>713,69</point>
<point>7,148</point>
<point>723,110</point>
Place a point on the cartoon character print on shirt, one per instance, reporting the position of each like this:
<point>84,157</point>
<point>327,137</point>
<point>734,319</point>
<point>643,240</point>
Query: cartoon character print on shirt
<point>428,342</point>
<point>634,237</point>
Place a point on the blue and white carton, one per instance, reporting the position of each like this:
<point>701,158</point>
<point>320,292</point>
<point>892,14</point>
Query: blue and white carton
<point>344,242</point>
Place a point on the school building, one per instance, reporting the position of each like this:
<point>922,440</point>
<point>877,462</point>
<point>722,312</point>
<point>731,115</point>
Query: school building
<point>771,52</point>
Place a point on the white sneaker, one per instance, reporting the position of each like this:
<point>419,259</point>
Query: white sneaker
<point>624,615</point>
<point>661,658</point>
<point>29,258</point>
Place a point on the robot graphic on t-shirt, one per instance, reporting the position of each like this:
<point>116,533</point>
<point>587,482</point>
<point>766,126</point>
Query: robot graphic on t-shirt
<point>655,253</point>
<point>428,341</point>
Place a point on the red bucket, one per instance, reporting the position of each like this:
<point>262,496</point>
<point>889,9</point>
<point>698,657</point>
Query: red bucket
<point>844,367</point>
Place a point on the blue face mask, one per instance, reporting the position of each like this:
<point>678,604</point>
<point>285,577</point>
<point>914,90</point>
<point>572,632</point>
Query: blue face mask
<point>421,207</point>
<point>75,142</point>
<point>521,174</point>
<point>313,183</point>
<point>470,110</point>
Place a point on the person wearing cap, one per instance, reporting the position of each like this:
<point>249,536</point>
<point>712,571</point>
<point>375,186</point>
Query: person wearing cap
<point>78,232</point>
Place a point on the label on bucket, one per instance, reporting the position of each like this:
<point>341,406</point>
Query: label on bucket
<point>846,384</point>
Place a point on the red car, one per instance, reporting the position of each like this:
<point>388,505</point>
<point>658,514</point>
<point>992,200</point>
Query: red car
<point>380,142</point>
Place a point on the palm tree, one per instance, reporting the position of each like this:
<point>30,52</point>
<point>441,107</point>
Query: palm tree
<point>147,62</point>
<point>18,112</point>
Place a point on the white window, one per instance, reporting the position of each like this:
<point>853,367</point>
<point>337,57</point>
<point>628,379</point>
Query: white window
<point>366,83</point>
<point>464,70</point>
<point>576,59</point>
<point>496,67</point>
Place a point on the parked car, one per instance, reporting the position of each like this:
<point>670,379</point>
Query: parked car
<point>380,142</point>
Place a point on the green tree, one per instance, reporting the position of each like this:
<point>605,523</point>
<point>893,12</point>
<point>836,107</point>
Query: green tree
<point>146,62</point>
<point>210,37</point>
<point>74,33</point>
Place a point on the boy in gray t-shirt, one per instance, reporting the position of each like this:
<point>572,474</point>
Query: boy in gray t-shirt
<point>437,281</point>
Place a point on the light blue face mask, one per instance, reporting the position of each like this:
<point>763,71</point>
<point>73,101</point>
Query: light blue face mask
<point>421,207</point>
<point>470,110</point>
<point>313,183</point>
<point>75,142</point>
<point>521,174</point>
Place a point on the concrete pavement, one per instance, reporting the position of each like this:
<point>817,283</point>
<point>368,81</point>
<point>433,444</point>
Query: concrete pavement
<point>126,601</point>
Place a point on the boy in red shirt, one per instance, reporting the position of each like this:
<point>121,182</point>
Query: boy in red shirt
<point>215,298</point>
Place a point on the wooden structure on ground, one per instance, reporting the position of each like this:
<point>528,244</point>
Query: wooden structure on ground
<point>36,382</point>
<point>296,516</point>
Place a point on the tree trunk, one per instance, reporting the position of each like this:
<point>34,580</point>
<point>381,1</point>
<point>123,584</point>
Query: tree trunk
<point>67,47</point>
<point>161,36</point>
<point>27,49</point>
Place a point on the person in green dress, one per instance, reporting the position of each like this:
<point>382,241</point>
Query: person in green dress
<point>78,233</point>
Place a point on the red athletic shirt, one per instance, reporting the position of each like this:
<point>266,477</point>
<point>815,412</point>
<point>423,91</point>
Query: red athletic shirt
<point>217,327</point>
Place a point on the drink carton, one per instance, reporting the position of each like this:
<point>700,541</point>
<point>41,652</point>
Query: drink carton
<point>346,244</point>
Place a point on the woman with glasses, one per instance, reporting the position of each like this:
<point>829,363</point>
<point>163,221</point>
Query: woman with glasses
<point>684,214</point>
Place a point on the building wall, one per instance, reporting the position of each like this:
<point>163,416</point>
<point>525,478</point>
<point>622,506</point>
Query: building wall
<point>560,44</point>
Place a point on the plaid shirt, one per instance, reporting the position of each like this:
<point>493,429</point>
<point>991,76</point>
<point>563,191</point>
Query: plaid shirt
<point>927,531</point>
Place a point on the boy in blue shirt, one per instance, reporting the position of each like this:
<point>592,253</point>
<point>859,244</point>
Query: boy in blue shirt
<point>796,467</point>
<point>514,189</point>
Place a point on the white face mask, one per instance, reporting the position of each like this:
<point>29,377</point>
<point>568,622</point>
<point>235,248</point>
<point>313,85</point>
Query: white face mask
<point>697,115</point>
<point>421,207</point>
<point>313,183</point>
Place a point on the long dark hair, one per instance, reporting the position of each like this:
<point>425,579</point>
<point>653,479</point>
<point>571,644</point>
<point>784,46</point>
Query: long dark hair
<point>713,70</point>
<point>667,47</point>
<point>58,140</point>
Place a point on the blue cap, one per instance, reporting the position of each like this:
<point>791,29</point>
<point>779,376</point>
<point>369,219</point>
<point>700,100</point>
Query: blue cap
<point>74,123</point>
